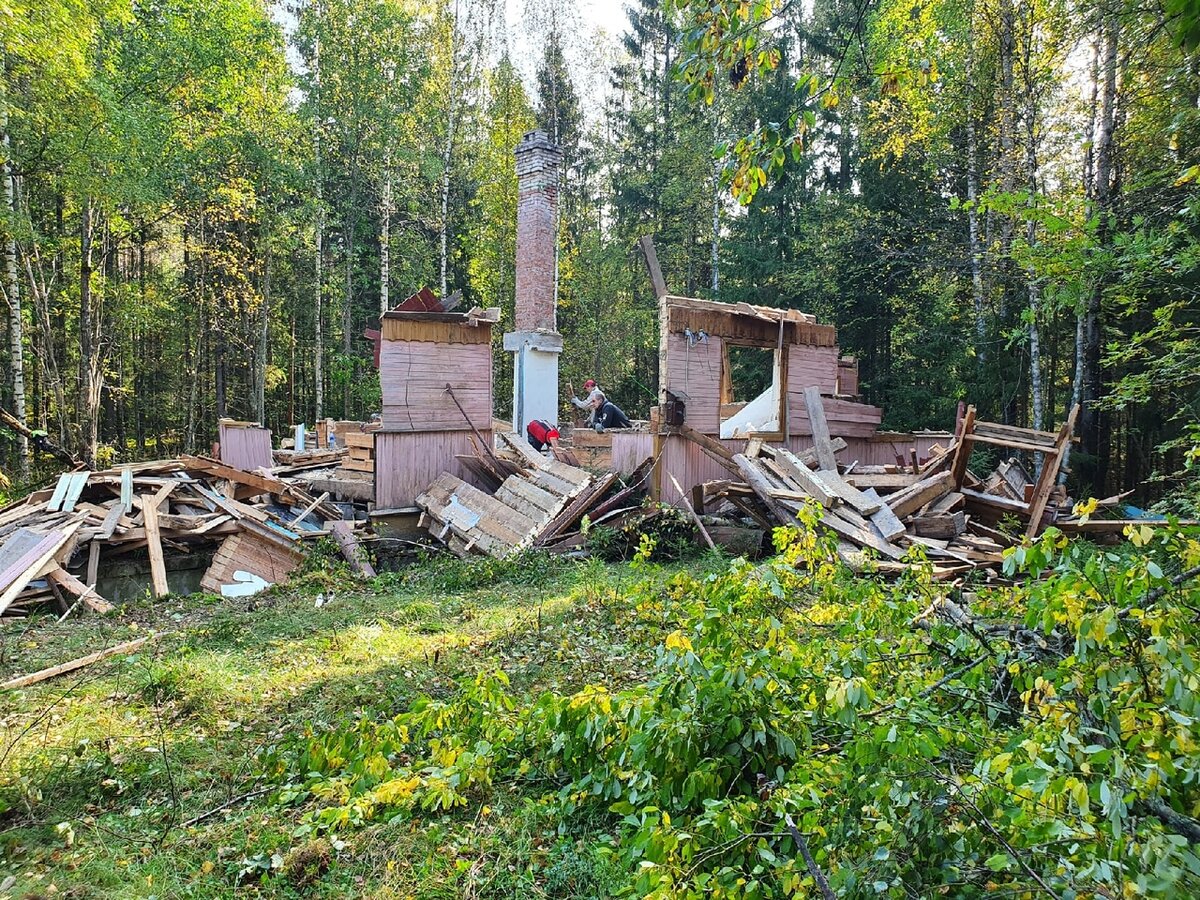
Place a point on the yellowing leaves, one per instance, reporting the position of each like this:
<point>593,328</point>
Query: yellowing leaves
<point>678,641</point>
<point>396,792</point>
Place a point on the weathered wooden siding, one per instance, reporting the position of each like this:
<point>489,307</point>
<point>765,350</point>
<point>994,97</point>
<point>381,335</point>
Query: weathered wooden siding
<point>245,447</point>
<point>406,463</point>
<point>413,376</point>
<point>630,449</point>
<point>809,366</point>
<point>695,373</point>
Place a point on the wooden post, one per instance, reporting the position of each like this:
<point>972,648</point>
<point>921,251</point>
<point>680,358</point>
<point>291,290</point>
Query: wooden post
<point>1050,466</point>
<point>820,429</point>
<point>962,452</point>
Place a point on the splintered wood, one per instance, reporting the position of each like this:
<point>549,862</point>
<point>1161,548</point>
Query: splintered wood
<point>160,511</point>
<point>540,501</point>
<point>890,509</point>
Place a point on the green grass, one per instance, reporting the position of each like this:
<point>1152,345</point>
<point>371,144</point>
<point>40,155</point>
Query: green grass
<point>99,768</point>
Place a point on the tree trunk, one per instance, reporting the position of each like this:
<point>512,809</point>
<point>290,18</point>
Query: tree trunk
<point>264,333</point>
<point>716,202</point>
<point>88,410</point>
<point>976,246</point>
<point>348,315</point>
<point>12,287</point>
<point>1094,470</point>
<point>318,237</point>
<point>385,249</point>
<point>1037,391</point>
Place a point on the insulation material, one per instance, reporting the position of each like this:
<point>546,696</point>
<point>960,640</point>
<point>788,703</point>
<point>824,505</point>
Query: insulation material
<point>759,416</point>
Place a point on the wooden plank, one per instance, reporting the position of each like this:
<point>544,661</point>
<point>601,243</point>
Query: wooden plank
<point>908,501</point>
<point>93,566</point>
<point>63,668</point>
<point>803,477</point>
<point>262,484</point>
<point>19,572</point>
<point>759,484</point>
<point>692,512</point>
<point>158,568</point>
<point>88,595</point>
<point>574,510</point>
<point>127,488</point>
<point>809,456</point>
<point>861,536</point>
<point>60,492</point>
<point>884,518</point>
<point>893,481</point>
<point>656,275</point>
<point>115,512</point>
<point>962,448</point>
<point>820,429</point>
<point>74,489</point>
<point>1050,467</point>
<point>851,495</point>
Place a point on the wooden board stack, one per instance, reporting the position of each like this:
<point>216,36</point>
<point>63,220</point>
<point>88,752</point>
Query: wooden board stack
<point>535,501</point>
<point>256,522</point>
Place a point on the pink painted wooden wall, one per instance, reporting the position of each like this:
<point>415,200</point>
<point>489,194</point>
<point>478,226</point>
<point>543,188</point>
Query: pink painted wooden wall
<point>407,462</point>
<point>691,465</point>
<point>630,449</point>
<point>245,447</point>
<point>413,376</point>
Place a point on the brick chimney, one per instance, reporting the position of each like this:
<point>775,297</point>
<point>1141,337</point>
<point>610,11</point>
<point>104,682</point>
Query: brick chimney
<point>538,160</point>
<point>536,343</point>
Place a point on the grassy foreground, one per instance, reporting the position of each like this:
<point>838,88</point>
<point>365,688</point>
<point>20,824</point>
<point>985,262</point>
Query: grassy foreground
<point>113,777</point>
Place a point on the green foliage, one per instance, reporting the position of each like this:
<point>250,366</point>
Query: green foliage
<point>1047,737</point>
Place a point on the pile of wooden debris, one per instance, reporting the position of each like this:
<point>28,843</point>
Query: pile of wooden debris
<point>255,522</point>
<point>960,521</point>
<point>531,501</point>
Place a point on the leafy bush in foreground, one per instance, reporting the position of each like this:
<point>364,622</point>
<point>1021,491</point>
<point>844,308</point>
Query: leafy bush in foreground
<point>1041,739</point>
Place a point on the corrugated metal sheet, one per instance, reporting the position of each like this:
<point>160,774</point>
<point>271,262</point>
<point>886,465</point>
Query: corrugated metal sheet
<point>245,447</point>
<point>407,463</point>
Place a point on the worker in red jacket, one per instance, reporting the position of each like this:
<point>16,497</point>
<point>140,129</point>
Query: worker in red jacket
<point>541,434</point>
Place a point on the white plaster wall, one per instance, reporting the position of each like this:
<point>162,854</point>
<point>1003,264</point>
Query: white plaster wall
<point>539,388</point>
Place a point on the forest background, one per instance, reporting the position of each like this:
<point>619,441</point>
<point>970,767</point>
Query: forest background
<point>206,202</point>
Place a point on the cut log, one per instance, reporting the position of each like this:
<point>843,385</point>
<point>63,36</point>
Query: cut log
<point>343,533</point>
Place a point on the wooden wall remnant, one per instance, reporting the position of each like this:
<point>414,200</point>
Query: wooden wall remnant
<point>407,462</point>
<point>245,447</point>
<point>630,449</point>
<point>694,373</point>
<point>248,551</point>
<point>413,376</point>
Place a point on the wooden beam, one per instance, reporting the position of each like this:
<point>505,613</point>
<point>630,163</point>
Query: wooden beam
<point>962,448</point>
<point>820,429</point>
<point>158,568</point>
<point>656,276</point>
<point>712,446</point>
<point>759,484</point>
<point>808,481</point>
<point>88,595</point>
<point>911,499</point>
<point>63,668</point>
<point>1050,466</point>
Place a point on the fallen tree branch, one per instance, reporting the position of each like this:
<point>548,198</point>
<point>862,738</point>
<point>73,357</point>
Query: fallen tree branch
<point>39,441</point>
<point>249,795</point>
<point>813,868</point>
<point>1185,826</point>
